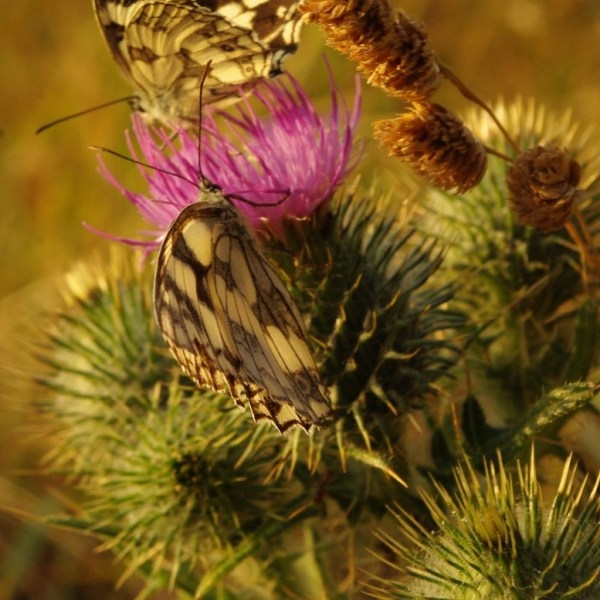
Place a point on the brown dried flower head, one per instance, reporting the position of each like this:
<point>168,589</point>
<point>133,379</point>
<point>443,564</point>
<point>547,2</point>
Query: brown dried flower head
<point>543,187</point>
<point>392,50</point>
<point>436,144</point>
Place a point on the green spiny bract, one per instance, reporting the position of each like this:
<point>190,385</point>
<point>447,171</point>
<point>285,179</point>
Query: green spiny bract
<point>497,539</point>
<point>361,275</point>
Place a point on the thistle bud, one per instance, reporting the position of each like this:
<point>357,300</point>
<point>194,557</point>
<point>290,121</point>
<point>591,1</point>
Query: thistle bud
<point>543,187</point>
<point>392,49</point>
<point>489,527</point>
<point>436,144</point>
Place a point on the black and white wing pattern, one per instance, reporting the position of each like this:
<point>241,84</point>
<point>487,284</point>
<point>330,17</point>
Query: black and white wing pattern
<point>229,320</point>
<point>163,46</point>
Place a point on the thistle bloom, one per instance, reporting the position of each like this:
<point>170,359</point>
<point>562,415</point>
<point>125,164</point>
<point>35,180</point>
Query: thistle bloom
<point>284,165</point>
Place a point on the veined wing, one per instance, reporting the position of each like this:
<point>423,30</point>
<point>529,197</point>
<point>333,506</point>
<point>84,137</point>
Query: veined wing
<point>229,320</point>
<point>163,46</point>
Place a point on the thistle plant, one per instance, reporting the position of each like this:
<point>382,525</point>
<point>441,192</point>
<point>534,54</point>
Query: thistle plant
<point>453,330</point>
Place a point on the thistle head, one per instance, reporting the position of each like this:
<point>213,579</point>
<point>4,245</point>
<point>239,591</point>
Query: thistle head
<point>543,187</point>
<point>280,166</point>
<point>496,534</point>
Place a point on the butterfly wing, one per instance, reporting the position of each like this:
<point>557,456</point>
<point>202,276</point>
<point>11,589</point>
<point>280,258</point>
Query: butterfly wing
<point>163,46</point>
<point>231,323</point>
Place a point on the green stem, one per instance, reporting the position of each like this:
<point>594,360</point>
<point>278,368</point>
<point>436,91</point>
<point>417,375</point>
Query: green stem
<point>469,95</point>
<point>548,411</point>
<point>249,546</point>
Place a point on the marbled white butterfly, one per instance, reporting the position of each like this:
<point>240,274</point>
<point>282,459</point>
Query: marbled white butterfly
<point>229,320</point>
<point>163,46</point>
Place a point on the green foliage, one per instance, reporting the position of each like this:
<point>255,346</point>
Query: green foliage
<point>468,344</point>
<point>459,324</point>
<point>185,488</point>
<point>529,300</point>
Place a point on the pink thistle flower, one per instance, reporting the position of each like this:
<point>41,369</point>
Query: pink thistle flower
<point>285,165</point>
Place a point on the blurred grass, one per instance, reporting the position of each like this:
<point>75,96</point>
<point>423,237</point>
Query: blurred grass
<point>53,62</point>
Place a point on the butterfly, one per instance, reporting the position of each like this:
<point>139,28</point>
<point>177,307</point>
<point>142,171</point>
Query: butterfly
<point>163,46</point>
<point>229,320</point>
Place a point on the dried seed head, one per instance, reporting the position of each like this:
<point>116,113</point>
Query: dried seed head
<point>436,144</point>
<point>392,50</point>
<point>543,187</point>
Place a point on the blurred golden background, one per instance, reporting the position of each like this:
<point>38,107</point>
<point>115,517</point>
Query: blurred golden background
<point>53,62</point>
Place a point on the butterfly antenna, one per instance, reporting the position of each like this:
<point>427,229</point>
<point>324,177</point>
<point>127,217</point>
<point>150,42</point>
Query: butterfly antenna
<point>203,180</point>
<point>129,99</point>
<point>142,164</point>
